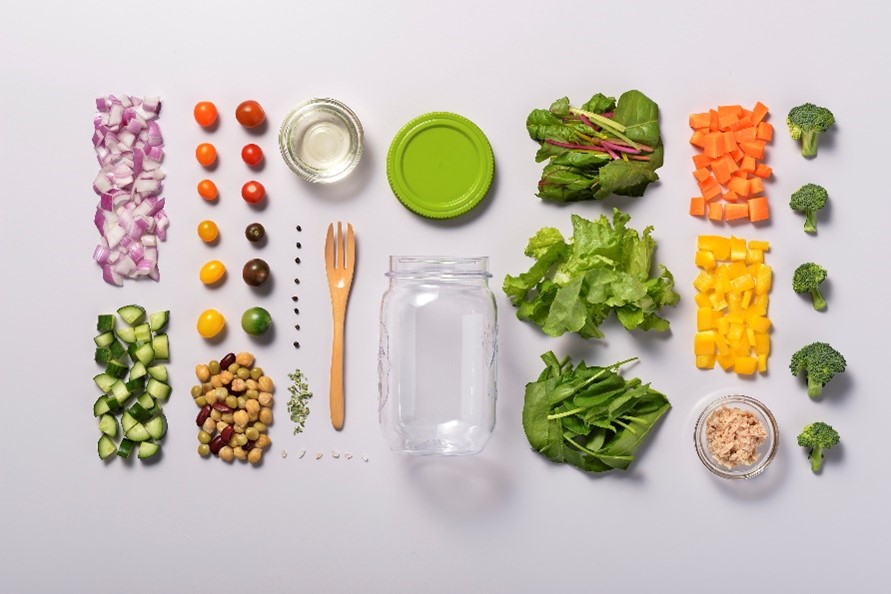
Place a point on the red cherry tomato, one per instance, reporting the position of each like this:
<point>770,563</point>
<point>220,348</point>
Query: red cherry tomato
<point>252,154</point>
<point>249,114</point>
<point>253,192</point>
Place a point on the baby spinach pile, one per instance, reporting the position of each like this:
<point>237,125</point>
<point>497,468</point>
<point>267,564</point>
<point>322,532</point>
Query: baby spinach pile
<point>603,147</point>
<point>574,286</point>
<point>589,417</point>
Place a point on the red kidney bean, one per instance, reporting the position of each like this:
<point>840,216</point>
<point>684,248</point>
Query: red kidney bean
<point>248,446</point>
<point>227,432</point>
<point>216,444</point>
<point>202,415</point>
<point>226,361</point>
<point>221,407</point>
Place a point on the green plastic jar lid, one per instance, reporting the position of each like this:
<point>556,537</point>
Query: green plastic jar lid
<point>440,165</point>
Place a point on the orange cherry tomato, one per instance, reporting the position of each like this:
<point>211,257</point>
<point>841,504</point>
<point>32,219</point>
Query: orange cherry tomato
<point>208,231</point>
<point>206,154</point>
<point>249,114</point>
<point>208,190</point>
<point>205,113</point>
<point>253,192</point>
<point>252,154</point>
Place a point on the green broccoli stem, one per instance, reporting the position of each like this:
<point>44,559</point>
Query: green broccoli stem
<point>817,298</point>
<point>810,221</point>
<point>809,143</point>
<point>814,387</point>
<point>816,458</point>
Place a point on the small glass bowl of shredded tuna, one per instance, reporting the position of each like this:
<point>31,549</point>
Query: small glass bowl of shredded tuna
<point>736,437</point>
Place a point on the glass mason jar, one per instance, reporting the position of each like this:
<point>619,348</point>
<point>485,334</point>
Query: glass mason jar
<point>437,360</point>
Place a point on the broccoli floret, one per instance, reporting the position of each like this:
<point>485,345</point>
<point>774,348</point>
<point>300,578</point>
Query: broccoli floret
<point>807,122</point>
<point>819,362</point>
<point>818,436</point>
<point>807,279</point>
<point>808,199</point>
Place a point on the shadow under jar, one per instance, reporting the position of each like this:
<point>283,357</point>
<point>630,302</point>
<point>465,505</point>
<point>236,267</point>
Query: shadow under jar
<point>437,359</point>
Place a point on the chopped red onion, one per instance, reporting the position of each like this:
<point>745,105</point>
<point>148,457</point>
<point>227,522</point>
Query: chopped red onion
<point>130,216</point>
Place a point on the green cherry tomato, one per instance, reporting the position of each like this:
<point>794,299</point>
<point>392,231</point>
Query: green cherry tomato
<point>256,321</point>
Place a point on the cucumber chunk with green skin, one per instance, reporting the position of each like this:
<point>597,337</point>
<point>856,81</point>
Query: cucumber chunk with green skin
<point>105,323</point>
<point>108,425</point>
<point>138,432</point>
<point>147,449</point>
<point>161,346</point>
<point>144,353</point>
<point>159,372</point>
<point>104,381</point>
<point>135,386</point>
<point>102,406</point>
<point>142,333</point>
<point>103,355</point>
<point>106,447</point>
<point>132,314</point>
<point>104,340</point>
<point>125,333</point>
<point>120,392</point>
<point>127,421</point>
<point>158,320</point>
<point>159,390</point>
<point>116,369</point>
<point>118,351</point>
<point>138,370</point>
<point>140,413</point>
<point>126,448</point>
<point>157,427</point>
<point>147,402</point>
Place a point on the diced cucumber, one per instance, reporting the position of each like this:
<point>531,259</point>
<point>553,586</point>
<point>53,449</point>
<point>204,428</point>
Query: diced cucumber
<point>106,447</point>
<point>108,425</point>
<point>138,370</point>
<point>135,386</point>
<point>105,323</point>
<point>116,369</point>
<point>105,339</point>
<point>142,333</point>
<point>146,401</point>
<point>161,346</point>
<point>159,372</point>
<point>120,392</point>
<point>144,353</point>
<point>125,333</point>
<point>104,381</point>
<point>157,427</point>
<point>132,314</point>
<point>117,350</point>
<point>126,448</point>
<point>138,432</point>
<point>159,390</point>
<point>101,406</point>
<point>158,320</point>
<point>127,421</point>
<point>103,355</point>
<point>140,413</point>
<point>147,449</point>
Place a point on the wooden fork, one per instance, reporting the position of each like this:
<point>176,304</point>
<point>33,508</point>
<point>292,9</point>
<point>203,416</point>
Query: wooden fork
<point>340,262</point>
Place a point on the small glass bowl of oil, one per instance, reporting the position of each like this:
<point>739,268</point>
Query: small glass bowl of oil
<point>321,140</point>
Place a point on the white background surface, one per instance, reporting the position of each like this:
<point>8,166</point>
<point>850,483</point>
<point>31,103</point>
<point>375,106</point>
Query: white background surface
<point>504,521</point>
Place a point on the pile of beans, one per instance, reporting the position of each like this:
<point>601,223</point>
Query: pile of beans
<point>235,399</point>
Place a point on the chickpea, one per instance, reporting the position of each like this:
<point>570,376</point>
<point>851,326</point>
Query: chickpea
<point>239,452</point>
<point>216,415</point>
<point>251,384</point>
<point>238,385</point>
<point>241,417</point>
<point>215,381</point>
<point>265,384</point>
<point>252,407</point>
<point>251,434</point>
<point>265,399</point>
<point>227,418</point>
<point>252,394</point>
<point>238,429</point>
<point>209,425</point>
<point>206,387</point>
<point>241,438</point>
<point>211,397</point>
<point>244,359</point>
<point>255,455</point>
<point>266,415</point>
<point>202,372</point>
<point>221,425</point>
<point>241,401</point>
<point>221,393</point>
<point>226,454</point>
<point>233,442</point>
<point>260,426</point>
<point>262,442</point>
<point>231,401</point>
<point>225,377</point>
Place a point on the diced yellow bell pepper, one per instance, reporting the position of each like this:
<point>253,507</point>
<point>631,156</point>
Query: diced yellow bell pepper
<point>759,305</point>
<point>705,319</point>
<point>736,318</point>
<point>716,244</point>
<point>750,337</point>
<point>763,280</point>
<point>706,260</point>
<point>737,249</point>
<point>759,245</point>
<point>717,304</point>
<point>762,344</point>
<point>742,283</point>
<point>705,361</point>
<point>746,300</point>
<point>702,299</point>
<point>725,361</point>
<point>735,333</point>
<point>723,326</point>
<point>721,343</point>
<point>762,363</point>
<point>745,365</point>
<point>754,257</point>
<point>704,281</point>
<point>736,270</point>
<point>759,323</point>
<point>740,348</point>
<point>704,343</point>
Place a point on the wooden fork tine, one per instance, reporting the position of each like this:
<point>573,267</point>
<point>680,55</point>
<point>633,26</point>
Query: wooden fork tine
<point>329,247</point>
<point>340,250</point>
<point>351,247</point>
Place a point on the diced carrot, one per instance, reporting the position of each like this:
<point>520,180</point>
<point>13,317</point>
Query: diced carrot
<point>701,174</point>
<point>731,164</point>
<point>714,145</point>
<point>758,209</point>
<point>748,164</point>
<point>731,196</point>
<point>759,112</point>
<point>739,185</point>
<point>697,206</point>
<point>721,170</point>
<point>715,210</point>
<point>729,142</point>
<point>726,119</point>
<point>736,211</point>
<point>763,171</point>
<point>740,174</point>
<point>744,122</point>
<point>753,148</point>
<point>698,139</point>
<point>746,134</point>
<point>765,132</point>
<point>737,155</point>
<point>713,120</point>
<point>756,186</point>
<point>699,120</point>
<point>701,160</point>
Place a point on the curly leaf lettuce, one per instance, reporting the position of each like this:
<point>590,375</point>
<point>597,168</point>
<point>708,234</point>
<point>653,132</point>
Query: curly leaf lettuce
<point>574,286</point>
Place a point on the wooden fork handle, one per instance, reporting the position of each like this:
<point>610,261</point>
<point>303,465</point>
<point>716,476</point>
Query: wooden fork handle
<point>336,395</point>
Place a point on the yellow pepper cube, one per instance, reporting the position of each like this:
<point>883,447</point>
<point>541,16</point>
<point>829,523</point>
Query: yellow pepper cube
<point>759,306</point>
<point>745,365</point>
<point>722,283</point>
<point>763,280</point>
<point>762,344</point>
<point>704,281</point>
<point>737,249</point>
<point>740,348</point>
<point>750,337</point>
<point>746,300</point>
<point>736,270</point>
<point>762,363</point>
<point>759,245</point>
<point>702,299</point>
<point>723,326</point>
<point>726,361</point>
<point>759,323</point>
<point>719,246</point>
<point>705,361</point>
<point>735,333</point>
<point>754,257</point>
<point>721,343</point>
<point>704,343</point>
<point>706,260</point>
<point>705,319</point>
<point>717,303</point>
<point>742,283</point>
<point>736,318</point>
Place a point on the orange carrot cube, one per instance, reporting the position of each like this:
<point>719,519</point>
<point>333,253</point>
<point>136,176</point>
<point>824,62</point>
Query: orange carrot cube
<point>715,211</point>
<point>765,132</point>
<point>697,206</point>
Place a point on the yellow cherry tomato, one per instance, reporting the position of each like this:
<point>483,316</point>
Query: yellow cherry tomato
<point>208,231</point>
<point>212,272</point>
<point>210,323</point>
